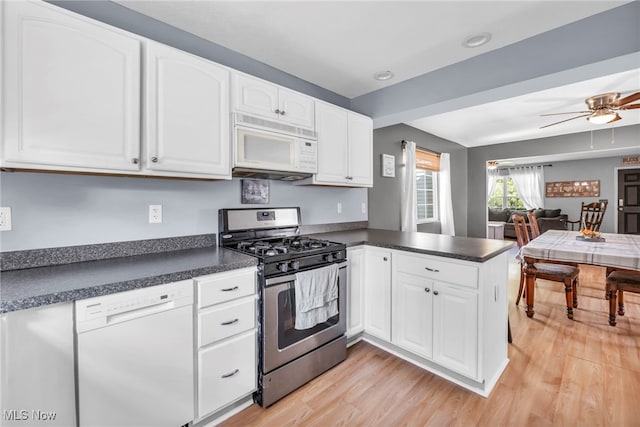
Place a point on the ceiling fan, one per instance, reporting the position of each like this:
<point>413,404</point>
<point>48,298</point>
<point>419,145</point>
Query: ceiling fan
<point>602,108</point>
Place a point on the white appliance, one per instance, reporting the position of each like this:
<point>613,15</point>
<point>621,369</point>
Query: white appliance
<point>272,149</point>
<point>135,357</point>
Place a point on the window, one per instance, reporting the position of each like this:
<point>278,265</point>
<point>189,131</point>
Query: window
<point>427,167</point>
<point>427,195</point>
<point>505,195</point>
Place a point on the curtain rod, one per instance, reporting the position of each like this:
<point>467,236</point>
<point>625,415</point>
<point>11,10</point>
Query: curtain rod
<point>404,146</point>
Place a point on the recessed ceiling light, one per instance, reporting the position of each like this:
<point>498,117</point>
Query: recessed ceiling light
<point>383,75</point>
<point>476,40</point>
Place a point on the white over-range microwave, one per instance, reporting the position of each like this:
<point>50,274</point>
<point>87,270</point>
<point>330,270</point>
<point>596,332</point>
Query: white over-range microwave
<point>268,149</point>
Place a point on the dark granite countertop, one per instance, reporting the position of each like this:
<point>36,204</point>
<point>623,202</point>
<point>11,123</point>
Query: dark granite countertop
<point>464,248</point>
<point>34,287</point>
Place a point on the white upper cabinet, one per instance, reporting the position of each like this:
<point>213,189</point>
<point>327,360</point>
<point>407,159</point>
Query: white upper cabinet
<point>345,147</point>
<point>255,96</point>
<point>72,91</point>
<point>186,113</point>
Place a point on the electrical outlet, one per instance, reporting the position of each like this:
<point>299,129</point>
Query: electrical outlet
<point>5,219</point>
<point>364,207</point>
<point>155,214</point>
<point>339,207</point>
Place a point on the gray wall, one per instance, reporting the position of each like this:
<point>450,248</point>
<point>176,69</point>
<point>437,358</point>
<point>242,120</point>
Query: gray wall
<point>575,144</point>
<point>51,210</point>
<point>577,170</point>
<point>385,196</point>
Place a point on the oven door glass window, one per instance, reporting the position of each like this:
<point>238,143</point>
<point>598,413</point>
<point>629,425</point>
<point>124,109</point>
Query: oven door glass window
<point>287,333</point>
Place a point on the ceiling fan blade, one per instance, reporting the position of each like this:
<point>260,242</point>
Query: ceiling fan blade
<point>568,112</point>
<point>562,121</point>
<point>626,100</point>
<point>630,107</point>
<point>615,119</point>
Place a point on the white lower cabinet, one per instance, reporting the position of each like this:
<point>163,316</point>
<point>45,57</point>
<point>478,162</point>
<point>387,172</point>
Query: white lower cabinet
<point>37,377</point>
<point>378,293</point>
<point>226,372</point>
<point>226,348</point>
<point>413,314</point>
<point>355,291</point>
<point>445,314</point>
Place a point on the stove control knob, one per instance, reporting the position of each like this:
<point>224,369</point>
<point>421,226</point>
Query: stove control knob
<point>328,258</point>
<point>283,267</point>
<point>294,265</point>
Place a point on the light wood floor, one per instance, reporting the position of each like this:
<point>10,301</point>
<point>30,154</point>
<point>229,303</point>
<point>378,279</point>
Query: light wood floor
<point>561,373</point>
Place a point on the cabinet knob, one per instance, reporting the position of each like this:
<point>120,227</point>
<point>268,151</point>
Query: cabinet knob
<point>277,111</point>
<point>349,177</point>
<point>135,161</point>
<point>427,290</point>
<point>154,160</point>
<point>282,113</point>
<point>384,258</point>
<point>436,292</point>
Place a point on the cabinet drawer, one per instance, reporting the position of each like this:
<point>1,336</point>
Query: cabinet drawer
<point>222,287</point>
<point>226,372</point>
<point>436,268</point>
<point>224,320</point>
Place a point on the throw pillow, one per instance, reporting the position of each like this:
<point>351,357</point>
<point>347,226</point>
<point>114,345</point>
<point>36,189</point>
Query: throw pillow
<point>539,213</point>
<point>552,213</point>
<point>500,215</point>
<point>521,213</point>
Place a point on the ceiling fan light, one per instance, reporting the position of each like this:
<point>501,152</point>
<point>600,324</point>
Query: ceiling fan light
<point>602,116</point>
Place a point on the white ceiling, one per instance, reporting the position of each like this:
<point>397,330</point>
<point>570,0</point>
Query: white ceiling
<point>340,45</point>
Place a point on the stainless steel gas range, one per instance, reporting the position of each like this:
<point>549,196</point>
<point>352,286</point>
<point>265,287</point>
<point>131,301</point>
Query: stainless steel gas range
<point>291,351</point>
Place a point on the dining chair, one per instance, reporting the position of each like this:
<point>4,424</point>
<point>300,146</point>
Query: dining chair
<point>591,216</point>
<point>554,272</point>
<point>533,225</point>
<point>619,281</point>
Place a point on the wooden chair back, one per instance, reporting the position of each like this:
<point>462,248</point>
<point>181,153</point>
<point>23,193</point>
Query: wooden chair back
<point>533,224</point>
<point>591,215</point>
<point>520,225</point>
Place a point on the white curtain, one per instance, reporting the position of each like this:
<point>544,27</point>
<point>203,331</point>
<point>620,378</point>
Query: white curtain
<point>492,180</point>
<point>529,183</point>
<point>444,194</point>
<point>409,210</point>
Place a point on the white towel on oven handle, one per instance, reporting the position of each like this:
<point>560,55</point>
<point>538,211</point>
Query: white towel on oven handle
<point>316,296</point>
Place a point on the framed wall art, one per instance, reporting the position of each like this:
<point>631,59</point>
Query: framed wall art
<point>388,165</point>
<point>255,191</point>
<point>587,188</point>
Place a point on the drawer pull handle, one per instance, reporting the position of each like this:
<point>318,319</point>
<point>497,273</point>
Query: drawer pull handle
<point>434,270</point>
<point>229,375</point>
<point>230,322</point>
<point>235,288</point>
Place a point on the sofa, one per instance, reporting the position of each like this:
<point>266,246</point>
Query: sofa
<point>548,219</point>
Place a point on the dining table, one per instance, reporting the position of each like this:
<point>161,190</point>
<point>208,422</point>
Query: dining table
<point>610,250</point>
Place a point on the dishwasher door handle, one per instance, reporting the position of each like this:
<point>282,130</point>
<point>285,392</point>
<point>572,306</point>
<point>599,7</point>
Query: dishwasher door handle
<point>140,312</point>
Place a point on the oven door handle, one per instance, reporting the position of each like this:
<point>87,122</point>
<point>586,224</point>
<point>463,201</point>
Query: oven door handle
<point>281,279</point>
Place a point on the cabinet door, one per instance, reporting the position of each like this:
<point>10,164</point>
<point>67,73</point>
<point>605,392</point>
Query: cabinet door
<point>360,150</point>
<point>296,108</point>
<point>255,96</point>
<point>413,314</point>
<point>72,91</point>
<point>355,292</point>
<point>331,125</point>
<point>226,372</point>
<point>187,113</point>
<point>455,329</point>
<point>378,293</point>
<point>37,369</point>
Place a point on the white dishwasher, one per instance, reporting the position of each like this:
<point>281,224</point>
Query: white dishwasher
<point>135,357</point>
